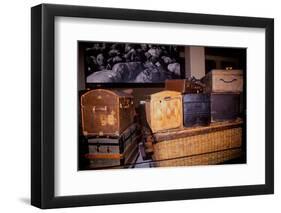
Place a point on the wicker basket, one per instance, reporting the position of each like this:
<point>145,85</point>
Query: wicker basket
<point>202,159</point>
<point>197,141</point>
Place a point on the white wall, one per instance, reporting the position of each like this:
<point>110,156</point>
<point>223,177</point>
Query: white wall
<point>15,105</point>
<point>195,62</point>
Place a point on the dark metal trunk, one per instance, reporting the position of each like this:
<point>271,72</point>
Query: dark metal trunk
<point>225,106</point>
<point>114,152</point>
<point>196,109</point>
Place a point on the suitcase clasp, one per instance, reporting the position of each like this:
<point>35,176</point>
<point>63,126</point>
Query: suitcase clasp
<point>99,108</point>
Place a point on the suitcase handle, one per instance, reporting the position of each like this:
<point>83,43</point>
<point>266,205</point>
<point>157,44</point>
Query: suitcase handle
<point>126,105</point>
<point>99,108</point>
<point>167,98</point>
<point>228,81</point>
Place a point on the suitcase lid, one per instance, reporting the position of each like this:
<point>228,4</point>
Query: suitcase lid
<point>225,72</point>
<point>193,131</point>
<point>98,92</point>
<point>165,94</point>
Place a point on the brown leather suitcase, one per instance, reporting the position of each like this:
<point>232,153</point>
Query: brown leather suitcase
<point>164,111</point>
<point>106,112</point>
<point>224,81</point>
<point>183,86</point>
<point>225,106</point>
<point>121,152</point>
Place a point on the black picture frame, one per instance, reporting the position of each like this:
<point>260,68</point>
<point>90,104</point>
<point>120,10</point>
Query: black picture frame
<point>43,117</point>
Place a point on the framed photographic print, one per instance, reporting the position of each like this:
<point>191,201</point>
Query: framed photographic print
<point>122,98</point>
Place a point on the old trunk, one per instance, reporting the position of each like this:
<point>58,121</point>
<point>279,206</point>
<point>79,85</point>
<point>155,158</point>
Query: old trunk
<point>225,106</point>
<point>183,86</point>
<point>195,144</point>
<point>224,81</point>
<point>164,111</point>
<point>106,112</point>
<point>114,152</point>
<point>196,109</point>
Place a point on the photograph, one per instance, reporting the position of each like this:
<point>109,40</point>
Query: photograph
<point>145,105</point>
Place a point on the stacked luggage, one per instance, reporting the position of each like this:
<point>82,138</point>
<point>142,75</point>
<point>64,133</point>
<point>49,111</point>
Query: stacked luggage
<point>109,129</point>
<point>225,87</point>
<point>203,126</point>
<point>188,123</point>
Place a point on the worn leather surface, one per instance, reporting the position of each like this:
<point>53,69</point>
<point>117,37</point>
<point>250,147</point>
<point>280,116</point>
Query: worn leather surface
<point>106,112</point>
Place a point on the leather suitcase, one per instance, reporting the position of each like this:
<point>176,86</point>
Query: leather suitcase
<point>196,109</point>
<point>106,112</point>
<point>225,106</point>
<point>164,111</point>
<point>224,81</point>
<point>183,86</point>
<point>118,152</point>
